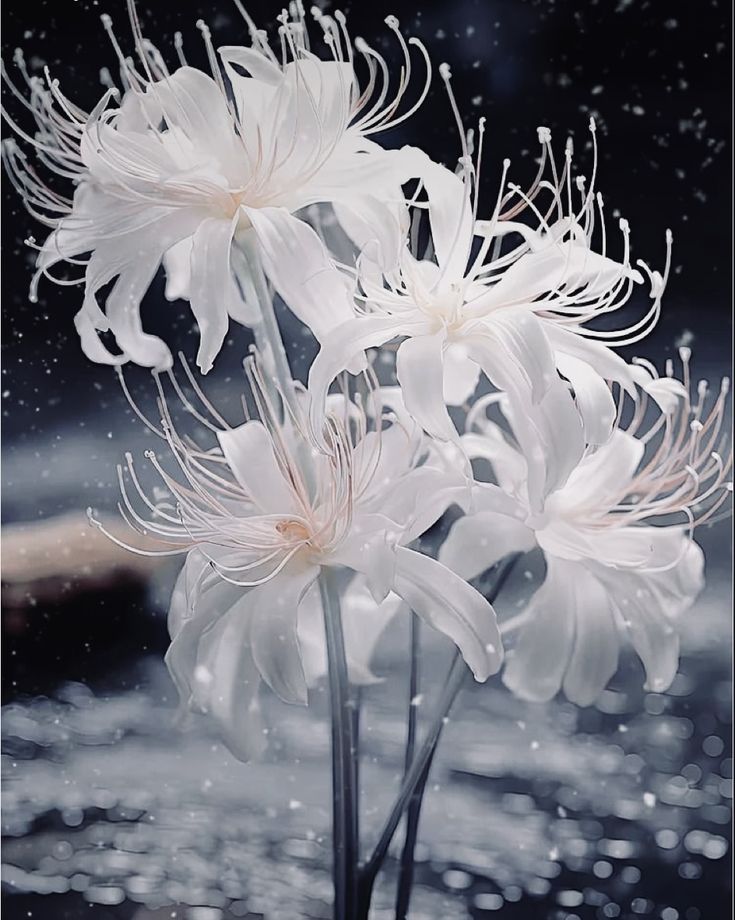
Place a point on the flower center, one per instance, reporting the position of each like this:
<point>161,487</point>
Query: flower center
<point>296,531</point>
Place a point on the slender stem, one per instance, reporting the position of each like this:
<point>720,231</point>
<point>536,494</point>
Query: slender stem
<point>344,836</point>
<point>419,770</point>
<point>266,332</point>
<point>454,681</point>
<point>405,877</point>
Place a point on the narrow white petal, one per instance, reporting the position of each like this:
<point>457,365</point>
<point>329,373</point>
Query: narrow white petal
<point>593,396</point>
<point>226,681</point>
<point>123,314</point>
<point>212,286</point>
<point>274,636</point>
<point>339,349</point>
<point>477,541</point>
<point>447,603</point>
<point>535,669</point>
<point>461,374</point>
<point>299,266</point>
<point>594,657</point>
<point>419,368</point>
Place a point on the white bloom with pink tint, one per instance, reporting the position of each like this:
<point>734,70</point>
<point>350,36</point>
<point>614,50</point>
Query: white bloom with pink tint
<point>616,538</point>
<point>200,172</point>
<point>522,314</point>
<point>259,518</point>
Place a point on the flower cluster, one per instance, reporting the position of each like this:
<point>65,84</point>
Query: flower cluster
<point>510,316</point>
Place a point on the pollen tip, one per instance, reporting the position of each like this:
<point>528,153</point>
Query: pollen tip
<point>391,21</point>
<point>725,385</point>
<point>593,124</point>
<point>544,134</point>
<point>685,353</point>
<point>669,237</point>
<point>445,71</point>
<point>506,163</point>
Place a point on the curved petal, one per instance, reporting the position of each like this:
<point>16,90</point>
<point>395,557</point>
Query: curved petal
<point>177,265</point>
<point>419,369</point>
<point>548,429</point>
<point>227,680</point>
<point>248,450</point>
<point>212,286</point>
<point>339,348</point>
<point>363,623</point>
<point>594,657</point>
<point>593,396</point>
<point>566,266</point>
<point>450,216</point>
<point>536,667</point>
<point>477,541</point>
<point>649,602</point>
<point>607,364</point>
<point>123,314</point>
<point>370,549</point>
<point>273,633</point>
<point>451,606</point>
<point>311,285</point>
<point>461,374</point>
<point>374,223</point>
<point>601,476</point>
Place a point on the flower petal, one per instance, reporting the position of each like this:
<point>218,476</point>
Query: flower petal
<point>450,215</point>
<point>447,603</point>
<point>419,368</point>
<point>248,450</point>
<point>339,348</point>
<point>273,634</point>
<point>461,374</point>
<point>535,669</point>
<point>548,427</point>
<point>212,286</point>
<point>477,541</point>
<point>312,286</point>
<point>123,314</point>
<point>177,265</point>
<point>227,680</point>
<point>363,623</point>
<point>594,657</point>
<point>593,396</point>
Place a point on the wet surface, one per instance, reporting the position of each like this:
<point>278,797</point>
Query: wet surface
<point>618,810</point>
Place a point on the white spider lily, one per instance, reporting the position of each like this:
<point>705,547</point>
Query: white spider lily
<point>519,316</point>
<point>194,170</point>
<point>263,513</point>
<point>616,539</point>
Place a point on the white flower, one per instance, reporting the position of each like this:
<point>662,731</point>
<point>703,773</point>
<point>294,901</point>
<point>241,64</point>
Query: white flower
<point>262,514</point>
<point>190,169</point>
<point>616,539</point>
<point>518,315</point>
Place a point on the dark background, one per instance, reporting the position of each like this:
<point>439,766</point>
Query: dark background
<point>656,76</point>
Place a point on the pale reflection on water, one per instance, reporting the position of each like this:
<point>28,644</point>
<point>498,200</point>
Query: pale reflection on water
<point>619,810</point>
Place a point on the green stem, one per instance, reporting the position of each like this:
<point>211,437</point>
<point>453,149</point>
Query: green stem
<point>344,835</point>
